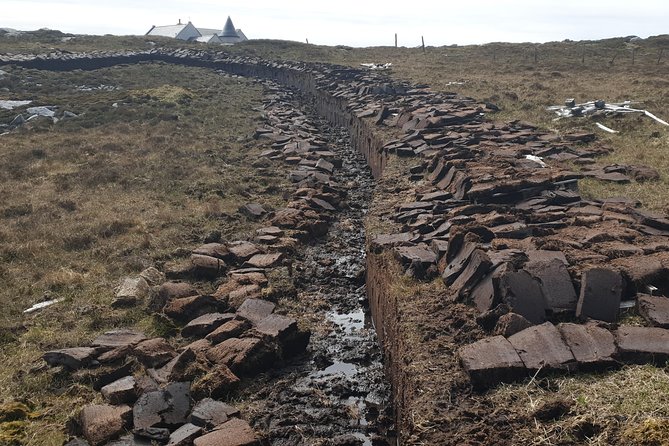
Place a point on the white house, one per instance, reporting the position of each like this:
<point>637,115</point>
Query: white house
<point>179,31</point>
<point>227,36</point>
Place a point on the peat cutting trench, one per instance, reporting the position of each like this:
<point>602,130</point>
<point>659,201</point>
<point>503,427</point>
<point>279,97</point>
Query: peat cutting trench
<point>480,265</point>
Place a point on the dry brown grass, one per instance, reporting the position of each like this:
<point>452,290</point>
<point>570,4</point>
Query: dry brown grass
<point>608,408</point>
<point>90,200</point>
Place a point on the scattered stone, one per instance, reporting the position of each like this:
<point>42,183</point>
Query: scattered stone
<point>409,254</point>
<point>152,276</point>
<point>217,382</point>
<point>102,375</point>
<point>168,407</point>
<point>541,348</point>
<point>381,241</point>
<point>601,292</point>
<point>185,435</point>
<point>121,391</point>
<point>246,356</point>
<point>255,310</point>
<point>115,355</point>
<point>590,344</point>
<point>206,266</point>
<point>523,295</point>
<point>188,308</point>
<point>253,210</point>
<point>264,260</point>
<point>102,423</point>
<point>456,259</point>
<point>169,291</point>
<point>655,309</point>
<point>643,344</point>
<point>118,338</point>
<point>478,266</point>
<point>154,352</point>
<point>491,361</point>
<point>230,329</point>
<point>184,367</point>
<point>209,413</point>
<point>511,323</point>
<point>243,251</point>
<point>216,250</point>
<point>285,332</point>
<point>159,434</point>
<point>203,325</point>
<point>144,384</point>
<point>555,282</point>
<point>270,230</point>
<point>235,432</point>
<point>72,358</point>
<point>641,271</point>
<point>131,292</point>
<point>147,410</point>
<point>643,173</point>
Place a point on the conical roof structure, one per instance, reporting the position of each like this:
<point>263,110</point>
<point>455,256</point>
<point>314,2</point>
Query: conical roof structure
<point>229,29</point>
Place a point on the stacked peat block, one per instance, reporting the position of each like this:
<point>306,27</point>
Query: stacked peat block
<point>514,238</point>
<point>161,393</point>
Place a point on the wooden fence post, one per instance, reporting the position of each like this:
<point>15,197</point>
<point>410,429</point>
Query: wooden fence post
<point>422,39</point>
<point>659,58</point>
<point>395,40</point>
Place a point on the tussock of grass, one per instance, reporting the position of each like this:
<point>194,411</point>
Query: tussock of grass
<point>625,401</point>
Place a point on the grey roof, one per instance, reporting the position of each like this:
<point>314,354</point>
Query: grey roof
<point>229,29</point>
<point>209,38</point>
<point>241,35</point>
<point>209,31</point>
<point>166,31</point>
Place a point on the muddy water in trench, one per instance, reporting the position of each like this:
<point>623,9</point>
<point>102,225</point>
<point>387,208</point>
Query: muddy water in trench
<point>339,394</point>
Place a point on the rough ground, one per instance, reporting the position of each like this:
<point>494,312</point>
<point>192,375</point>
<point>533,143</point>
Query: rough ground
<point>606,408</point>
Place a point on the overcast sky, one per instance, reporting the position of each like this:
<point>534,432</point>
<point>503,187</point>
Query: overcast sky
<point>356,23</point>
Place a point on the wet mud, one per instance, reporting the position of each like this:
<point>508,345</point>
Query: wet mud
<point>337,394</point>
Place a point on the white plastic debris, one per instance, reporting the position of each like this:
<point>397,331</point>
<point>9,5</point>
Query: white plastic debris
<point>41,305</point>
<point>536,159</point>
<point>571,109</point>
<point>605,128</point>
<point>377,66</point>
<point>650,115</point>
<point>9,105</point>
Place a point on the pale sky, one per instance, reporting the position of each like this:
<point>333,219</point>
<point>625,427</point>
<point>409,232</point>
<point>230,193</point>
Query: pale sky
<point>355,23</point>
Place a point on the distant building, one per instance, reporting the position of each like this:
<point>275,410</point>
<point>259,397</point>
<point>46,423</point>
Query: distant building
<point>227,36</point>
<point>230,35</point>
<point>179,31</point>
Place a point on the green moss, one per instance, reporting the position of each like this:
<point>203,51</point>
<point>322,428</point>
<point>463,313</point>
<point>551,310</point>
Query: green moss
<point>649,432</point>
